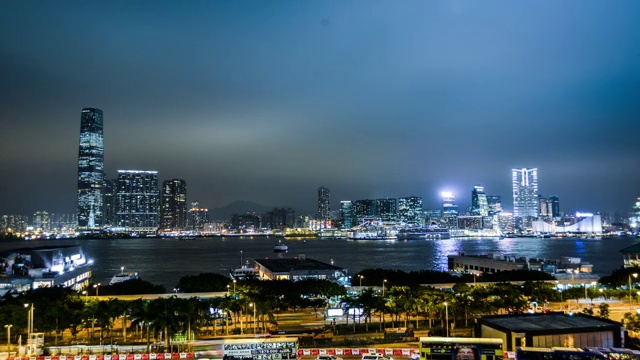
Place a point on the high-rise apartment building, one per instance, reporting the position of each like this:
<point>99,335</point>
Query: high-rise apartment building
<point>137,200</point>
<point>324,204</point>
<point>348,212</point>
<point>479,202</point>
<point>41,221</point>
<point>410,210</point>
<point>173,205</point>
<point>525,194</point>
<point>13,223</point>
<point>90,169</point>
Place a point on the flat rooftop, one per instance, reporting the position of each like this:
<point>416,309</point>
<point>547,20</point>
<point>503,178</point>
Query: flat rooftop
<point>295,264</point>
<point>553,321</point>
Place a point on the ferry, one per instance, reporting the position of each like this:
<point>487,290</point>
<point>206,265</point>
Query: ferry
<point>245,272</point>
<point>280,247</point>
<point>371,229</point>
<point>123,276</point>
<point>423,232</point>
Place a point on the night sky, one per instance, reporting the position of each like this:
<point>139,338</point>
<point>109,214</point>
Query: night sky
<point>268,100</point>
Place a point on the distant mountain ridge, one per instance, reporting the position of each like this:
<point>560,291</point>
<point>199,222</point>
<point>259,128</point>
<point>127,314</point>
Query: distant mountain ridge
<point>243,207</point>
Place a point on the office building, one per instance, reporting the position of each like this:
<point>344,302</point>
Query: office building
<point>245,222</point>
<point>479,202</point>
<point>90,169</point>
<point>279,218</point>
<point>525,196</point>
<point>495,204</point>
<point>198,217</point>
<point>137,200</point>
<point>386,210</point>
<point>110,190</point>
<point>324,205</point>
<point>348,212</point>
<point>545,207</point>
<point>555,206</point>
<point>449,207</point>
<point>174,205</point>
<point>410,210</point>
<point>365,209</point>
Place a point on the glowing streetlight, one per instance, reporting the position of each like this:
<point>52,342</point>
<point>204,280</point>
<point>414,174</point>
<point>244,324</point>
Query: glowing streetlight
<point>446,311</point>
<point>360,276</point>
<point>234,287</point>
<point>30,309</point>
<point>8,327</point>
<point>383,282</point>
<point>96,286</point>
<point>254,317</point>
<point>635,275</point>
<point>228,286</point>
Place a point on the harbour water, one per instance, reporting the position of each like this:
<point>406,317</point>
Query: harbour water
<point>164,261</point>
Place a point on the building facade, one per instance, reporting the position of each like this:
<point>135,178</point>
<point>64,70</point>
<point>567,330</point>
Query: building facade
<point>91,169</point>
<point>479,202</point>
<point>525,195</point>
<point>365,209</point>
<point>198,217</point>
<point>495,204</point>
<point>555,206</point>
<point>137,200</point>
<point>174,205</point>
<point>386,210</point>
<point>410,210</point>
<point>324,205</point>
<point>348,212</point>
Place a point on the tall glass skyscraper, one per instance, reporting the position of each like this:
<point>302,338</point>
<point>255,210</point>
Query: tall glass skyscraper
<point>525,193</point>
<point>137,200</point>
<point>410,210</point>
<point>174,205</point>
<point>324,203</point>
<point>91,170</point>
<point>479,203</point>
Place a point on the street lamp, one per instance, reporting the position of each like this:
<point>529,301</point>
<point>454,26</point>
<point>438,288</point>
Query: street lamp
<point>635,275</point>
<point>30,309</point>
<point>84,292</point>
<point>446,316</point>
<point>383,282</point>
<point>254,316</point>
<point>8,327</point>
<point>228,289</point>
<point>360,276</point>
<point>95,286</point>
<point>234,287</point>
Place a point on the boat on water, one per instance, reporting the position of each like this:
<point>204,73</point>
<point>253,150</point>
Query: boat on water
<point>371,230</point>
<point>244,272</point>
<point>423,232</point>
<point>280,247</point>
<point>123,276</point>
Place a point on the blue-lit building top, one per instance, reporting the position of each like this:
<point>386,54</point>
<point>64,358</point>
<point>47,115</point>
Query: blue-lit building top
<point>525,192</point>
<point>91,169</point>
<point>348,212</point>
<point>479,203</point>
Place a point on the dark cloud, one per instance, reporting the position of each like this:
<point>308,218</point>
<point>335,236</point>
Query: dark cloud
<point>267,101</point>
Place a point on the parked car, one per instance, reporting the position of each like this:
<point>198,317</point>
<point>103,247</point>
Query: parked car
<point>328,357</point>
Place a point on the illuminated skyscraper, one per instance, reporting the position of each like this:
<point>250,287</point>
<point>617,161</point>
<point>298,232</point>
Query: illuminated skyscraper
<point>137,200</point>
<point>449,207</point>
<point>555,206</point>
<point>173,205</point>
<point>90,169</point>
<point>348,212</point>
<point>525,194</point>
<point>495,204</point>
<point>387,209</point>
<point>410,210</point>
<point>479,203</point>
<point>324,204</point>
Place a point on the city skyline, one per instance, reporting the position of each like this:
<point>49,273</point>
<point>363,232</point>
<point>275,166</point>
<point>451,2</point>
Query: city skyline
<point>266,103</point>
